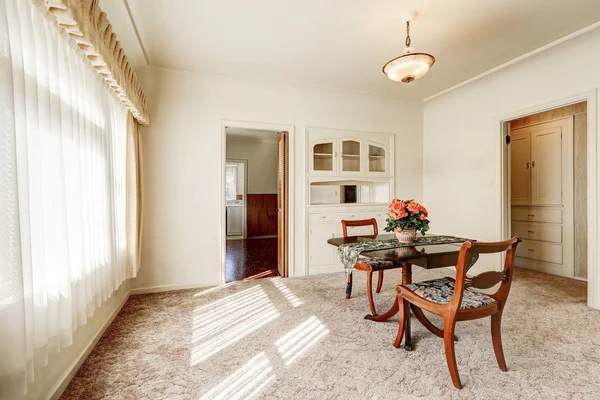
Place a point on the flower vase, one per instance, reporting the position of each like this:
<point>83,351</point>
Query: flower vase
<point>408,235</point>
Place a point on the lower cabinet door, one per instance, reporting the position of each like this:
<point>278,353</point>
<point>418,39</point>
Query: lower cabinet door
<point>321,252</point>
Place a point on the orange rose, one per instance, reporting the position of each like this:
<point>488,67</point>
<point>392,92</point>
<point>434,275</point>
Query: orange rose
<point>402,214</point>
<point>398,206</point>
<point>399,230</point>
<point>423,210</point>
<point>423,217</point>
<point>414,207</point>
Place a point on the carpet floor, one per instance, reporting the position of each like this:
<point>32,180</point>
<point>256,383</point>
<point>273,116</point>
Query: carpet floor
<point>299,338</point>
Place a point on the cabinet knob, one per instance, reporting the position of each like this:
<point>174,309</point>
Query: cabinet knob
<point>530,231</point>
<point>531,249</point>
<point>531,215</point>
<point>527,164</point>
<point>532,164</point>
<point>324,216</point>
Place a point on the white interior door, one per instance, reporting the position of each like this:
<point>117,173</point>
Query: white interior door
<point>235,197</point>
<point>520,167</point>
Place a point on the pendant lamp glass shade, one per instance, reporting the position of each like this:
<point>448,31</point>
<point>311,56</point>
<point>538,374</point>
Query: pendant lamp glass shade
<point>409,66</point>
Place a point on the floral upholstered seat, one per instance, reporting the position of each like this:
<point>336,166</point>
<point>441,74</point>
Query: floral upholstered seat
<point>374,262</point>
<point>441,290</point>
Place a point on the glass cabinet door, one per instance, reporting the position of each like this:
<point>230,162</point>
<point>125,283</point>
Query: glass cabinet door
<point>323,157</point>
<point>377,159</point>
<point>351,156</point>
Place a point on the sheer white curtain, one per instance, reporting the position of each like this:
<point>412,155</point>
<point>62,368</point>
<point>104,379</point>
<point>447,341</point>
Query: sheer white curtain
<point>62,191</point>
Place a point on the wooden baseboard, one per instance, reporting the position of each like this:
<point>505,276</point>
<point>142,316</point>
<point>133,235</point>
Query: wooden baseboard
<point>262,237</point>
<point>57,390</point>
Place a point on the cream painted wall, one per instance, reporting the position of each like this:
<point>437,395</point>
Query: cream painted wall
<point>262,162</point>
<point>182,166</point>
<point>52,380</point>
<point>461,135</point>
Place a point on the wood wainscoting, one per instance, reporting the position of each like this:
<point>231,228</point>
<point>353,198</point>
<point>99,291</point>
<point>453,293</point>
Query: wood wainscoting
<point>261,215</point>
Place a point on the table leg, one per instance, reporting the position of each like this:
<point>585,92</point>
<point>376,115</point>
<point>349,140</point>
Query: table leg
<point>406,279</point>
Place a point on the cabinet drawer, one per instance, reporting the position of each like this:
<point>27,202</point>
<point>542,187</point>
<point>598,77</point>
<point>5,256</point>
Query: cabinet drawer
<point>322,217</point>
<point>541,251</point>
<point>543,232</point>
<point>536,214</point>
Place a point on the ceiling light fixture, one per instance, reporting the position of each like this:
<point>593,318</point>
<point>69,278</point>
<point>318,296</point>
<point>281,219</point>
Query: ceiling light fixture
<point>409,66</point>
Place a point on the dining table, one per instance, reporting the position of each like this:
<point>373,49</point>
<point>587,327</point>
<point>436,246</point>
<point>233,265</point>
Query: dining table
<point>430,255</point>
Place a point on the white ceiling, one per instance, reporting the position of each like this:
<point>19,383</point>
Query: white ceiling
<point>344,43</point>
<point>251,134</point>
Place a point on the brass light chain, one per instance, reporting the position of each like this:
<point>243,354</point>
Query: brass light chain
<point>407,34</point>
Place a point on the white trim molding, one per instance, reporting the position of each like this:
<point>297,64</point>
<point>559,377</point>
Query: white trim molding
<point>593,178</point>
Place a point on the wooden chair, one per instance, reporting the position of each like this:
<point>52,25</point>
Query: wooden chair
<point>458,300</point>
<point>367,264</point>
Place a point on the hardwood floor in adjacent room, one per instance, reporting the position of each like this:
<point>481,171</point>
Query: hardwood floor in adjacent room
<point>251,259</point>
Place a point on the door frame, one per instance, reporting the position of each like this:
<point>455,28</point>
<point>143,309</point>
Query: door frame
<point>263,126</point>
<point>245,224</point>
<point>593,153</point>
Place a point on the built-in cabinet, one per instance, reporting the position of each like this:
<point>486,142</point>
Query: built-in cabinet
<point>325,223</point>
<point>349,156</point>
<point>542,195</point>
<point>338,159</point>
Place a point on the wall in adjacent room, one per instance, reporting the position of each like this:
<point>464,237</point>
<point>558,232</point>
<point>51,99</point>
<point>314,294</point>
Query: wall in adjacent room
<point>182,160</point>
<point>262,162</point>
<point>462,139</point>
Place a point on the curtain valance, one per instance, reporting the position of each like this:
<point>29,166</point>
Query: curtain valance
<point>88,25</point>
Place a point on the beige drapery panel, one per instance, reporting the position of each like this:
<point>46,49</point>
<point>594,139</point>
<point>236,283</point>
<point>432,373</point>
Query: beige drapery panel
<point>87,24</point>
<point>134,197</point>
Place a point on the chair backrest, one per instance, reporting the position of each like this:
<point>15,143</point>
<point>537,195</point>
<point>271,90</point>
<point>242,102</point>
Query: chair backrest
<point>488,279</point>
<point>362,222</point>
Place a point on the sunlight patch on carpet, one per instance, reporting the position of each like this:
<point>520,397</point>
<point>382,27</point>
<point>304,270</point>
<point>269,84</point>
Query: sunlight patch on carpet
<point>221,323</point>
<point>214,289</point>
<point>246,382</point>
<point>295,343</point>
<point>287,293</point>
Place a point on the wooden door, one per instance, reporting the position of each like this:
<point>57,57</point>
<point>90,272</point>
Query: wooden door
<point>520,167</point>
<point>282,204</point>
<point>546,166</point>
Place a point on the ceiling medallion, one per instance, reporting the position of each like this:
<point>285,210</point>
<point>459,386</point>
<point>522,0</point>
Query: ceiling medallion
<point>409,66</point>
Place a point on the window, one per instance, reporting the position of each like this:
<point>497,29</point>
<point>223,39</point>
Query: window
<point>231,183</point>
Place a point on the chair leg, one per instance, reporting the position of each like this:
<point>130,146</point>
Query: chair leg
<point>497,340</point>
<point>427,323</point>
<point>403,304</point>
<point>370,292</point>
<point>449,325</point>
<point>379,282</point>
<point>349,286</point>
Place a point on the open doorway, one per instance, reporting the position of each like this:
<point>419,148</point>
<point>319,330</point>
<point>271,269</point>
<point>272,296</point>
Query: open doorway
<point>256,203</point>
<point>546,185</point>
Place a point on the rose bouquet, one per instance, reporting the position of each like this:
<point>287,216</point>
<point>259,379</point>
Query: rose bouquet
<point>407,217</point>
